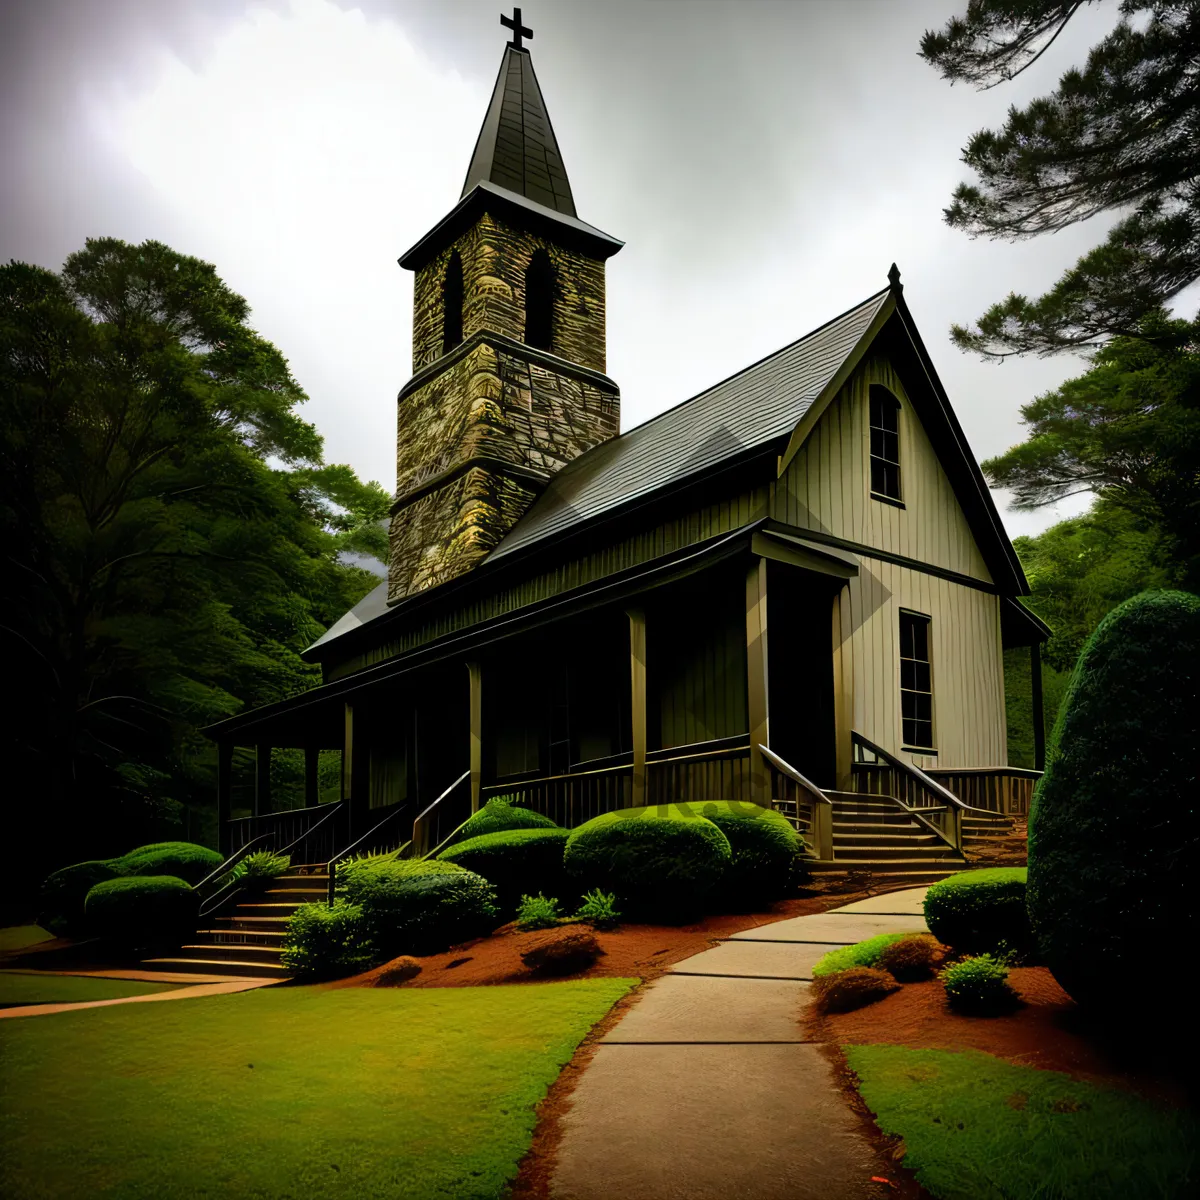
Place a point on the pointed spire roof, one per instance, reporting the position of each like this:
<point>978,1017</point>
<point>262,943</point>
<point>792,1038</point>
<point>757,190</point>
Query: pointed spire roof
<point>516,149</point>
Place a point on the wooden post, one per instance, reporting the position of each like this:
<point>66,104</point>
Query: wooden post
<point>637,706</point>
<point>312,762</point>
<point>756,681</point>
<point>475,674</point>
<point>348,754</point>
<point>262,780</point>
<point>224,795</point>
<point>1039,716</point>
<point>842,706</point>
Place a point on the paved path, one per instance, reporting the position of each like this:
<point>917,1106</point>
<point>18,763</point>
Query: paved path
<point>183,993</point>
<point>707,1090</point>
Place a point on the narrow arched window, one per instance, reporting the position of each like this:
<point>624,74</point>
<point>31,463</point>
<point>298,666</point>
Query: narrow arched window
<point>541,286</point>
<point>452,304</point>
<point>885,444</point>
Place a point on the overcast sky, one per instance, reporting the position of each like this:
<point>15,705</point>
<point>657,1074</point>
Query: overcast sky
<point>764,163</point>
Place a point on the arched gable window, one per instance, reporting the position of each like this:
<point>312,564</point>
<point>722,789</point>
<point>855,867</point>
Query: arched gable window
<point>541,287</point>
<point>452,304</point>
<point>885,444</point>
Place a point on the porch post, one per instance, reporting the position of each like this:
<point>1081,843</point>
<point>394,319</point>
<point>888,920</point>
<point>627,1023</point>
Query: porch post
<point>1039,716</point>
<point>842,709</point>
<point>262,779</point>
<point>637,707</point>
<point>312,761</point>
<point>475,675</point>
<point>756,680</point>
<point>224,795</point>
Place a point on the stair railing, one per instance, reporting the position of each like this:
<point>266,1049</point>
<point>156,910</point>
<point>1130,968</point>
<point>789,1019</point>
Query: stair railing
<point>373,841</point>
<point>943,811</point>
<point>814,809</point>
<point>427,833</point>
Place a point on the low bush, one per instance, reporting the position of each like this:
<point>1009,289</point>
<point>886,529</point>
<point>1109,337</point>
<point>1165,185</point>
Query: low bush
<point>184,860</point>
<point>352,875</point>
<point>537,912</point>
<point>411,909</point>
<point>257,870</point>
<point>661,864</point>
<point>764,849</point>
<point>141,911</point>
<point>324,941</point>
<point>975,911</point>
<point>515,862</point>
<point>61,900</point>
<point>563,953</point>
<point>846,990</point>
<point>599,910</point>
<point>979,986</point>
<point>498,816</point>
<point>861,954</point>
<point>915,956</point>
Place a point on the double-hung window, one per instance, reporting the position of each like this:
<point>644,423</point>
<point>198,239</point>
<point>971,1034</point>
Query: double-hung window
<point>885,444</point>
<point>916,682</point>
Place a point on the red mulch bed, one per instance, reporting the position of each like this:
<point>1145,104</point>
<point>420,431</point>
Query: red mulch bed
<point>1048,1032</point>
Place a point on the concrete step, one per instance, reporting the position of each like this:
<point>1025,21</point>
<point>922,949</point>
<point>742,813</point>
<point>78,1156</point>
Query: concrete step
<point>238,937</point>
<point>267,908</point>
<point>232,953</point>
<point>216,966</point>
<point>899,841</point>
<point>297,895</point>
<point>252,924</point>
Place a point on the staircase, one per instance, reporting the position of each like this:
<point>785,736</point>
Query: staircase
<point>249,940</point>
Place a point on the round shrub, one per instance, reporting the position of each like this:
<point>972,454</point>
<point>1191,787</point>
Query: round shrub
<point>915,956</point>
<point>184,860</point>
<point>980,910</point>
<point>499,815</point>
<point>325,941</point>
<point>566,952</point>
<point>764,846</point>
<point>979,986</point>
<point>60,903</point>
<point>660,864</point>
<point>516,862</point>
<point>138,911</point>
<point>844,991</point>
<point>1114,821</point>
<point>423,912</point>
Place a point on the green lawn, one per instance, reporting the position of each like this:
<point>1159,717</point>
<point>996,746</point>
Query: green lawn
<point>37,987</point>
<point>979,1128</point>
<point>288,1092</point>
<point>17,937</point>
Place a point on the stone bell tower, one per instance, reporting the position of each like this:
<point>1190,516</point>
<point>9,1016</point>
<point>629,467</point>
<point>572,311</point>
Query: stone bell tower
<point>508,344</point>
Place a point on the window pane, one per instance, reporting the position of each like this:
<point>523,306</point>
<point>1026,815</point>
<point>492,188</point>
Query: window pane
<point>891,480</point>
<point>877,443</point>
<point>921,640</point>
<point>908,673</point>
<point>921,680</point>
<point>889,445</point>
<point>878,477</point>
<point>906,636</point>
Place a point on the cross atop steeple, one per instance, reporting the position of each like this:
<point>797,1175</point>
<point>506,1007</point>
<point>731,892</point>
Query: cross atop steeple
<point>519,30</point>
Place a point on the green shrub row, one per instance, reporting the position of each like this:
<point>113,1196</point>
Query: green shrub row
<point>140,912</point>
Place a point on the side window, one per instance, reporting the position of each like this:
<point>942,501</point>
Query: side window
<point>916,682</point>
<point>452,304</point>
<point>885,443</point>
<point>541,286</point>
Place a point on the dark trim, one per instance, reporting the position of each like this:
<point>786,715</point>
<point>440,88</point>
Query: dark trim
<point>888,500</point>
<point>900,560</point>
<point>501,341</point>
<point>442,478</point>
<point>925,750</point>
<point>1038,702</point>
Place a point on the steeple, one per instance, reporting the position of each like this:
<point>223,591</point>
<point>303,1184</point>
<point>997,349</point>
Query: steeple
<point>516,149</point>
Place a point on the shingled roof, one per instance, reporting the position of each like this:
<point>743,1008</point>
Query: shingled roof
<point>516,149</point>
<point>757,405</point>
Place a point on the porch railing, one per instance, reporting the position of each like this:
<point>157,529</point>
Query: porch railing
<point>571,799</point>
<point>803,803</point>
<point>1003,790</point>
<point>692,777</point>
<point>285,828</point>
<point>435,824</point>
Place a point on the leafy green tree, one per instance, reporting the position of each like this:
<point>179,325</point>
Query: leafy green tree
<point>172,537</point>
<point>1120,135</point>
<point>1127,430</point>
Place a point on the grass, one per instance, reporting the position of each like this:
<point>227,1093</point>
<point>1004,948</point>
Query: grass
<point>17,937</point>
<point>288,1092</point>
<point>979,1128</point>
<point>861,954</point>
<point>37,987</point>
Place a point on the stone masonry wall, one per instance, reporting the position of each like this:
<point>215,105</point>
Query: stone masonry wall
<point>494,258</point>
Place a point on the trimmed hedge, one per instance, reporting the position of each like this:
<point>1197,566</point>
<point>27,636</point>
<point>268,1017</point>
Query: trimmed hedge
<point>61,900</point>
<point>764,845</point>
<point>660,863</point>
<point>517,862</point>
<point>1114,820</point>
<point>355,874</point>
<point>327,942</point>
<point>184,860</point>
<point>976,911</point>
<point>139,911</point>
<point>499,816</point>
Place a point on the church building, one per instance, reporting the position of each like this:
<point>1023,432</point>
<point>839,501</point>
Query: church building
<point>792,589</point>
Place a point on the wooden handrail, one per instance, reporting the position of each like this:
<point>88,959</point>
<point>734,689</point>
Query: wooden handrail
<point>822,822</point>
<point>425,812</point>
<point>211,903</point>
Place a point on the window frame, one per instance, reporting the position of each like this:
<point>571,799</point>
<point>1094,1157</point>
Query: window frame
<point>889,402</point>
<point>913,745</point>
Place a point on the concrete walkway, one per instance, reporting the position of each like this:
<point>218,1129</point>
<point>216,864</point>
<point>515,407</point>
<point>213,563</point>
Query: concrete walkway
<point>707,1090</point>
<point>183,993</point>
